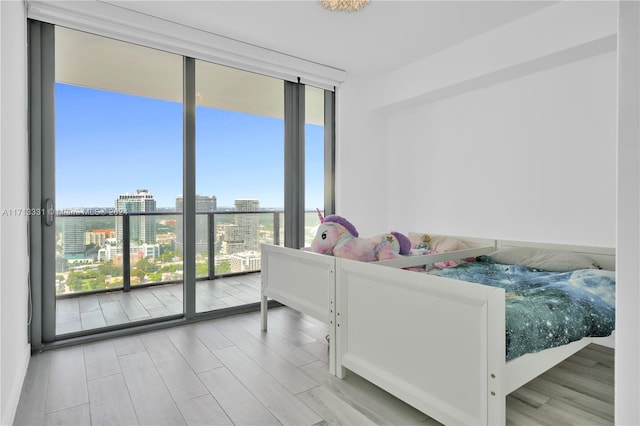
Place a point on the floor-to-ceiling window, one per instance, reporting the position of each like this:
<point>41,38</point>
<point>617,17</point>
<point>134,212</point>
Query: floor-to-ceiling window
<point>161,175</point>
<point>315,160</point>
<point>239,175</point>
<point>118,166</point>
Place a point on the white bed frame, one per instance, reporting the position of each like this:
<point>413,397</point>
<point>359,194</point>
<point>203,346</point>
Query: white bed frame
<point>436,343</point>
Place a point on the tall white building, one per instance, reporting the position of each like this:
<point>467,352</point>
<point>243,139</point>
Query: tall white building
<point>248,224</point>
<point>204,204</point>
<point>141,228</point>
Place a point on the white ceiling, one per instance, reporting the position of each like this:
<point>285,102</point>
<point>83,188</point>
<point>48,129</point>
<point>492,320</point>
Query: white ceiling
<point>385,35</point>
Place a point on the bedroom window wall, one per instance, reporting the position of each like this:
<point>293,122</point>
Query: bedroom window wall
<point>239,174</point>
<point>158,175</point>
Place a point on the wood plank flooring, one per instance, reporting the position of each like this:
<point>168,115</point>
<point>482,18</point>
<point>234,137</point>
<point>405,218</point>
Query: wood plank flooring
<point>86,312</point>
<point>226,371</point>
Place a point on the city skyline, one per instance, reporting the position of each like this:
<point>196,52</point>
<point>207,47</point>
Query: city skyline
<point>109,144</point>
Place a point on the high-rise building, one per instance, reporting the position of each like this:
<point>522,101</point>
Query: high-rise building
<point>204,204</point>
<point>73,239</point>
<point>232,239</point>
<point>249,224</point>
<point>142,228</point>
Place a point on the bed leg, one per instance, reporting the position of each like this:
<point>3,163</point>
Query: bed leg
<point>263,312</point>
<point>331,337</point>
<point>335,358</point>
<point>497,409</point>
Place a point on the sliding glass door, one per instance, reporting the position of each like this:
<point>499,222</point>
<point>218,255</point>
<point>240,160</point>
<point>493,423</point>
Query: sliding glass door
<point>158,177</point>
<point>118,168</point>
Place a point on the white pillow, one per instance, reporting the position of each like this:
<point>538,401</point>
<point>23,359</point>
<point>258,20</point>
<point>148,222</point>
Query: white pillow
<point>438,243</point>
<point>544,259</point>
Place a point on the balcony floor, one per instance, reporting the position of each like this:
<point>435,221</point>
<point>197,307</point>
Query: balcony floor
<point>99,310</point>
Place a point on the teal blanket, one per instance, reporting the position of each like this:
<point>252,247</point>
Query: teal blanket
<point>545,309</point>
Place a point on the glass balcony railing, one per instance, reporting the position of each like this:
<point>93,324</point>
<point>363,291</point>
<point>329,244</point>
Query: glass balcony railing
<point>102,250</point>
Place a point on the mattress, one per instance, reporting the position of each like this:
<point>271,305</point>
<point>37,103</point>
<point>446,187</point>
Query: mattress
<point>545,309</point>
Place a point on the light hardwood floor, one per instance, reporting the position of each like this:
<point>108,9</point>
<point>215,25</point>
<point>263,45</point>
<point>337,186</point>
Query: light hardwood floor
<point>226,371</point>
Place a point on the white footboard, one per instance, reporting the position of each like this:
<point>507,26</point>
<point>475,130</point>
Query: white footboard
<point>436,343</point>
<point>302,280</point>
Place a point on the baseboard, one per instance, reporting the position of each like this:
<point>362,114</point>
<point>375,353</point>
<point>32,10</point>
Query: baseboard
<point>9,411</point>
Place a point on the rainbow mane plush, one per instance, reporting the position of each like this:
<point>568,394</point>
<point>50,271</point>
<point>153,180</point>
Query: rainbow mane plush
<point>338,237</point>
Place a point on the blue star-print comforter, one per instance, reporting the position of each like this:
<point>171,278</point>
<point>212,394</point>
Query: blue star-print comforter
<point>545,309</point>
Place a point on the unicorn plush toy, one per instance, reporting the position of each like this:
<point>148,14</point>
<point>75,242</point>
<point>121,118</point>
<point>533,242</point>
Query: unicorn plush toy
<point>338,237</point>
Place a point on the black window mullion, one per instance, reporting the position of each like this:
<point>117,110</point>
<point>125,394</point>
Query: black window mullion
<point>189,188</point>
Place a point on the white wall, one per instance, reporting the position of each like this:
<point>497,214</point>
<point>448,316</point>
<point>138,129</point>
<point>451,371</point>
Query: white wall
<point>532,141</point>
<point>531,159</point>
<point>14,349</point>
<point>519,123</point>
<point>361,166</point>
<point>628,229</point>
<point>537,106</point>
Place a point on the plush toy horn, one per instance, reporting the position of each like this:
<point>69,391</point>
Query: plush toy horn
<point>320,215</point>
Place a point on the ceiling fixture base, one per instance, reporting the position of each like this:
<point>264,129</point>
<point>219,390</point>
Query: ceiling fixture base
<point>345,5</point>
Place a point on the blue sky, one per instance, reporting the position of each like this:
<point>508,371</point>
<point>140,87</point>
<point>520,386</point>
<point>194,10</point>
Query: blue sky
<point>111,143</point>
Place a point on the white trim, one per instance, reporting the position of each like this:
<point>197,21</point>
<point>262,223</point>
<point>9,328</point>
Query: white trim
<point>109,20</point>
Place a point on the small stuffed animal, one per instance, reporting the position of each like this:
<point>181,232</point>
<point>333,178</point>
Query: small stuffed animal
<point>338,237</point>
<point>424,242</point>
<point>423,246</point>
